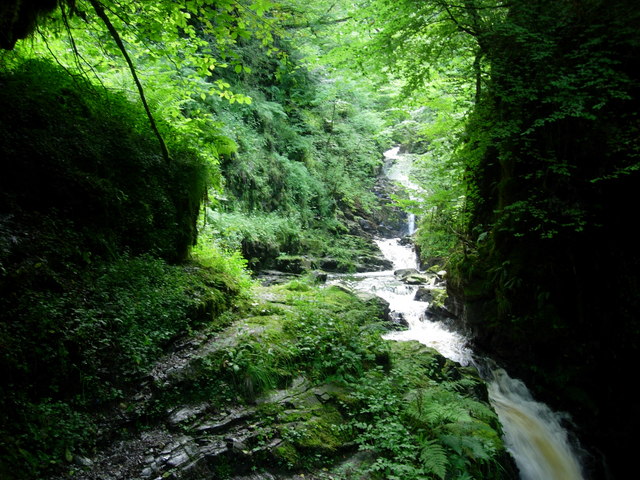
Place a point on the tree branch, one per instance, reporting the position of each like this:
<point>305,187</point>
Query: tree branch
<point>314,24</point>
<point>458,24</point>
<point>116,37</point>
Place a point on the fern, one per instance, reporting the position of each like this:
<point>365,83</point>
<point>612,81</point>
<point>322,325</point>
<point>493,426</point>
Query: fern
<point>435,407</point>
<point>481,411</point>
<point>434,458</point>
<point>462,385</point>
<point>479,433</point>
<point>469,446</point>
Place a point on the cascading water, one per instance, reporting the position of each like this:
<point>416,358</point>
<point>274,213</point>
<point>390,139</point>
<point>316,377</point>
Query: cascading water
<point>533,433</point>
<point>396,169</point>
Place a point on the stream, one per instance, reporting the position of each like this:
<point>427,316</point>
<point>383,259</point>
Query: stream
<point>533,433</point>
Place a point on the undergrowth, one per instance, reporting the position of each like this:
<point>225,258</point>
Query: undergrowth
<point>72,353</point>
<point>422,420</point>
<point>415,414</point>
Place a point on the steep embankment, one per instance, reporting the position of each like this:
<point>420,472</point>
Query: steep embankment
<point>89,214</point>
<point>550,273</point>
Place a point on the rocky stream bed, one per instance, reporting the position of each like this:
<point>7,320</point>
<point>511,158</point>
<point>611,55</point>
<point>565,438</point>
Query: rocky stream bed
<point>301,430</point>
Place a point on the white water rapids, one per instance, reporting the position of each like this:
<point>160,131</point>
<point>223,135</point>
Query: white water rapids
<point>533,433</point>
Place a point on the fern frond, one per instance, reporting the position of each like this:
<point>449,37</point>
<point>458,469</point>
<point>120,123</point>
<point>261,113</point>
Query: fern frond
<point>470,447</point>
<point>434,458</point>
<point>474,428</point>
<point>434,412</point>
<point>479,410</point>
<point>462,385</point>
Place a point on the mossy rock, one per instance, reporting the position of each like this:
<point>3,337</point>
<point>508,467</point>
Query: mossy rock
<point>310,437</point>
<point>295,264</point>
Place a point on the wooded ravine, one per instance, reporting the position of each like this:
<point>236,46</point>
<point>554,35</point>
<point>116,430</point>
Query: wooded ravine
<point>209,211</point>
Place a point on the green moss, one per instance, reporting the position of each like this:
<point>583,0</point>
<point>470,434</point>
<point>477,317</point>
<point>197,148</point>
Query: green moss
<point>297,286</point>
<point>287,455</point>
<point>323,431</point>
<point>439,296</point>
<point>85,158</point>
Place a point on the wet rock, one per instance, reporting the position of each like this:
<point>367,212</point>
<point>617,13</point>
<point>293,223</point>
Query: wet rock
<point>397,321</point>
<point>286,397</point>
<point>367,225</point>
<point>235,445</point>
<point>373,263</point>
<point>82,461</point>
<point>328,392</point>
<point>294,264</point>
<point>323,397</point>
<point>318,276</point>
<point>406,240</point>
<point>257,476</point>
<point>225,421</point>
<point>275,277</point>
<point>439,312</point>
<point>403,273</point>
<point>379,303</point>
<point>411,276</point>
<point>184,414</point>
<point>330,264</point>
<point>423,294</point>
<point>420,279</point>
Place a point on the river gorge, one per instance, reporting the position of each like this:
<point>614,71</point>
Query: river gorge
<point>534,434</point>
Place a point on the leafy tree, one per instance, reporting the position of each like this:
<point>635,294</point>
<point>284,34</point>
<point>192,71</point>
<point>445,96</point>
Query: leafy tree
<point>552,155</point>
<point>193,38</point>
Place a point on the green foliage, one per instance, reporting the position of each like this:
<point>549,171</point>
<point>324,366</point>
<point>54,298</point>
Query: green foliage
<point>69,352</point>
<point>265,240</point>
<point>307,147</point>
<point>542,114</point>
<point>336,349</point>
<point>418,428</point>
<point>85,191</point>
<point>295,154</point>
<point>283,139</point>
<point>260,238</point>
<point>419,415</point>
<point>87,155</point>
<point>53,431</point>
<point>226,266</point>
<point>551,157</point>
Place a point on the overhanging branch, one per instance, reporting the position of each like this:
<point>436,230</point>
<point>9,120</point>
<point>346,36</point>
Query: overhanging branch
<point>116,37</point>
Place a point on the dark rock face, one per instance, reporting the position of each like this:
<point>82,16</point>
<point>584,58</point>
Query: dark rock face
<point>18,19</point>
<point>199,441</point>
<point>390,220</point>
<point>294,264</point>
<point>373,263</point>
<point>379,303</point>
<point>274,277</point>
<point>405,272</point>
<point>423,295</point>
<point>397,321</point>
<point>319,277</point>
<point>329,264</point>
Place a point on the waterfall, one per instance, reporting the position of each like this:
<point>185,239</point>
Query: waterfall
<point>533,432</point>
<point>411,223</point>
<point>397,168</point>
